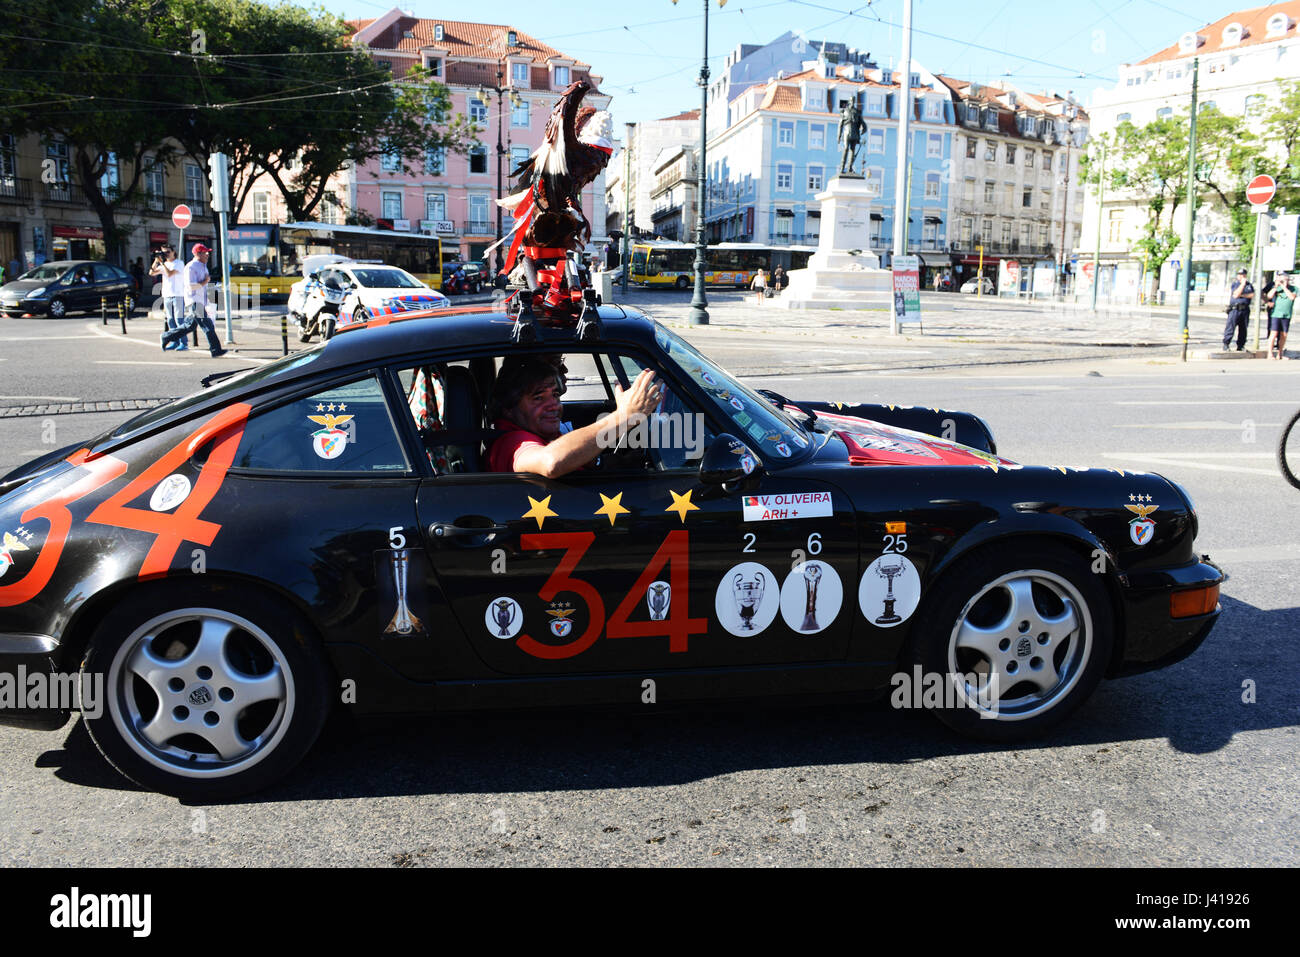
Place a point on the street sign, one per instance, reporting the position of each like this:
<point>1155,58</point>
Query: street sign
<point>1261,190</point>
<point>181,216</point>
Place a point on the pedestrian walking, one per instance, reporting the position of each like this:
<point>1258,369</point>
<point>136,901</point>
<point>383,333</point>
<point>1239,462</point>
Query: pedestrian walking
<point>759,284</point>
<point>196,279</point>
<point>1239,303</point>
<point>14,271</point>
<point>779,278</point>
<point>171,273</point>
<point>137,273</point>
<point>1279,322</point>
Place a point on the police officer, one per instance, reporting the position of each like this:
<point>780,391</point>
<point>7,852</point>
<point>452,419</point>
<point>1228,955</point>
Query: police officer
<point>1239,303</point>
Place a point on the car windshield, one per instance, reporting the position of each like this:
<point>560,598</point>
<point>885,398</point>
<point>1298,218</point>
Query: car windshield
<point>386,279</point>
<point>47,272</point>
<point>237,382</point>
<point>753,417</point>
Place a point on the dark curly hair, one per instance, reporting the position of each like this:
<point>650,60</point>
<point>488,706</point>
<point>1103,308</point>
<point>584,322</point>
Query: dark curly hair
<point>518,378</point>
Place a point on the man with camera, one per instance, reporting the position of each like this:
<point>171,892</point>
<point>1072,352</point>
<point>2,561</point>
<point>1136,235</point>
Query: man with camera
<point>166,265</point>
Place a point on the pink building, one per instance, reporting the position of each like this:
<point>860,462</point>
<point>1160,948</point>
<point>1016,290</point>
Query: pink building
<point>449,195</point>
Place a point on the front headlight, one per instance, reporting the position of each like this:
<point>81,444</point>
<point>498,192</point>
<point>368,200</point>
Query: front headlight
<point>36,292</point>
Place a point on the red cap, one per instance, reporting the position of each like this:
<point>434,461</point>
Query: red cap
<point>200,248</point>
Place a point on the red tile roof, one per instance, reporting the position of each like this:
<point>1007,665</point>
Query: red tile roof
<point>1255,23</point>
<point>688,115</point>
<point>460,39</point>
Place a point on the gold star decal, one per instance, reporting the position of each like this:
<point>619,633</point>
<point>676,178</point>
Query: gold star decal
<point>342,407</point>
<point>682,504</point>
<point>1059,468</point>
<point>320,407</point>
<point>612,507</point>
<point>331,406</point>
<point>540,510</point>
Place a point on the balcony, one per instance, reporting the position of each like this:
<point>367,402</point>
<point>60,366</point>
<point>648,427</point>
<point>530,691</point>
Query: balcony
<point>479,227</point>
<point>15,190</point>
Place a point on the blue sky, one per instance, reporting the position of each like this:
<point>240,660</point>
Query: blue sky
<point>649,53</point>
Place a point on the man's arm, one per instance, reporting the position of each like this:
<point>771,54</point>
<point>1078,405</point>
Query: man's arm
<point>575,449</point>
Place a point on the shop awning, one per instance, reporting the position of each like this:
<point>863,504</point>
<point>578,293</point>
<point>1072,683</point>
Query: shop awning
<point>785,212</point>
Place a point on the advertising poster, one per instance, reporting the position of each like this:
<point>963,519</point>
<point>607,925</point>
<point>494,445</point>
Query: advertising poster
<point>907,289</point>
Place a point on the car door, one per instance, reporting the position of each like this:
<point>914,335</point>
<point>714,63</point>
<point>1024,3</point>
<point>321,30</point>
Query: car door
<point>626,568</point>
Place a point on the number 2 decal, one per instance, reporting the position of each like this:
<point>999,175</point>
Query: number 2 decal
<point>677,627</point>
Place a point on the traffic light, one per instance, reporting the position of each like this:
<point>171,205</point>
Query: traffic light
<point>218,180</point>
<point>1274,233</point>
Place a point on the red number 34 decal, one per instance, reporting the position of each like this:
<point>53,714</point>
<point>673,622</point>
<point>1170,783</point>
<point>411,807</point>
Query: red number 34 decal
<point>677,627</point>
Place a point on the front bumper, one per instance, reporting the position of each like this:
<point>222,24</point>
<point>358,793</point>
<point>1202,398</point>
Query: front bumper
<point>26,663</point>
<point>1153,638</point>
<point>37,307</point>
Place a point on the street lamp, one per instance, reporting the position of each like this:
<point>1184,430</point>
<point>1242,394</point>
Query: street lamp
<point>515,100</point>
<point>699,314</point>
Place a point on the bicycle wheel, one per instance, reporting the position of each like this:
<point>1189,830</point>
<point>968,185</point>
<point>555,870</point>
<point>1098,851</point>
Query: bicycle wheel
<point>1288,451</point>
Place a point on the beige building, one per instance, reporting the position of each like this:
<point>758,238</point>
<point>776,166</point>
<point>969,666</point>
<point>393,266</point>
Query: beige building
<point>1244,58</point>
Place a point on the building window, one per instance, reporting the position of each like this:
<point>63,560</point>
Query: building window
<point>478,158</point>
<point>389,161</point>
<point>1008,195</point>
<point>967,227</point>
<point>784,134</point>
<point>989,187</point>
<point>435,161</point>
<point>1011,155</point>
<point>1027,201</point>
<point>785,177</point>
<point>929,234</point>
<point>783,224</point>
<point>435,207</point>
<point>9,160</point>
<point>1206,105</point>
<point>261,207</point>
<point>990,151</point>
<point>876,104</point>
<point>1047,160</point>
<point>434,65</point>
<point>1029,159</point>
<point>875,141</point>
<point>561,77</point>
<point>972,114</point>
<point>1006,233</point>
<point>816,137</point>
<point>1124,118</point>
<point>1114,225</point>
<point>196,188</point>
<point>816,97</point>
<point>933,108</point>
<point>519,115</point>
<point>478,110</point>
<point>971,147</point>
<point>815,175</point>
<point>1164,112</point>
<point>987,234</point>
<point>154,188</point>
<point>110,182</point>
<point>1277,26</point>
<point>58,151</point>
<point>1042,235</point>
<point>1024,235</point>
<point>968,191</point>
<point>329,209</point>
<point>1255,104</point>
<point>519,74</point>
<point>392,204</point>
<point>931,185</point>
<point>518,156</point>
<point>934,145</point>
<point>875,180</point>
<point>478,214</point>
<point>991,120</point>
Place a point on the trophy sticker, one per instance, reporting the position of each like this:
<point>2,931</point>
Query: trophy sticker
<point>658,596</point>
<point>561,622</point>
<point>170,492</point>
<point>404,621</point>
<point>503,617</point>
<point>890,590</point>
<point>811,597</point>
<point>747,599</point>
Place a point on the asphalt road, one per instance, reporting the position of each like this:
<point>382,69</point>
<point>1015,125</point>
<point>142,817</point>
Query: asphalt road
<point>1171,767</point>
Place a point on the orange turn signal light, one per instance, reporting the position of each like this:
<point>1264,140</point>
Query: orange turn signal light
<point>1193,602</point>
<point>896,528</point>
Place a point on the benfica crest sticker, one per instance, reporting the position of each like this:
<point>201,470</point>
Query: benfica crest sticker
<point>1141,528</point>
<point>330,441</point>
<point>9,544</point>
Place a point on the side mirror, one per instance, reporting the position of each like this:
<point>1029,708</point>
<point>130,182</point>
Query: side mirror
<point>314,276</point>
<point>728,460</point>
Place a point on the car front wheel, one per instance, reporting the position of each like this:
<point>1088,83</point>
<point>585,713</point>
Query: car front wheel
<point>58,308</point>
<point>1020,639</point>
<point>202,701</point>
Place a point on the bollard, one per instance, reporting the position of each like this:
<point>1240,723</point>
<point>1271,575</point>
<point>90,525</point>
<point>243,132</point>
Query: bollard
<point>284,333</point>
<point>1186,336</point>
<point>103,310</point>
<point>121,314</point>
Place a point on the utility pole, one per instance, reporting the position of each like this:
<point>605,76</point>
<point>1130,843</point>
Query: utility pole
<point>904,136</point>
<point>627,203</point>
<point>1185,302</point>
<point>1096,253</point>
<point>699,314</point>
<point>1065,208</point>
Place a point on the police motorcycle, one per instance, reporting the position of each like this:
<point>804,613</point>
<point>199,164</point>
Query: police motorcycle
<point>313,305</point>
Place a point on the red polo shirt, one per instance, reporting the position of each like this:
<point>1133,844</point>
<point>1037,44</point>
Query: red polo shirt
<point>501,457</point>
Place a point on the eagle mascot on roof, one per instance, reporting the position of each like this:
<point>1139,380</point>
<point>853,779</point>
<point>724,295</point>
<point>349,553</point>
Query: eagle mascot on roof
<point>549,221</point>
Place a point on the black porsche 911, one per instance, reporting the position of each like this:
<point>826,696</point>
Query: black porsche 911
<point>323,532</point>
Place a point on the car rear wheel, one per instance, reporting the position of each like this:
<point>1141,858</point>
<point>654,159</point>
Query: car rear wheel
<point>1021,638</point>
<point>58,308</point>
<point>203,701</point>
<point>682,282</point>
<point>360,314</point>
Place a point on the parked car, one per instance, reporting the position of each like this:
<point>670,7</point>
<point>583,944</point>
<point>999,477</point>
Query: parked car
<point>970,286</point>
<point>376,286</point>
<point>57,289</point>
<point>422,582</point>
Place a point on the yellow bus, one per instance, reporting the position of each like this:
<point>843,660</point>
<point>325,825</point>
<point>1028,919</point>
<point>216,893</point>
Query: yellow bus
<point>728,264</point>
<point>268,257</point>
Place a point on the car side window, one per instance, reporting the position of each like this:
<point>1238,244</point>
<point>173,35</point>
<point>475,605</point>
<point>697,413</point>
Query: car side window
<point>678,431</point>
<point>345,429</point>
<point>105,273</point>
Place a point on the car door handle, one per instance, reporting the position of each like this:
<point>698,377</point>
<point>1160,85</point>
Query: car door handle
<point>447,530</point>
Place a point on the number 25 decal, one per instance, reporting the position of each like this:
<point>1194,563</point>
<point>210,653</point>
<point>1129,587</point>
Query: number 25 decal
<point>677,627</point>
<point>896,543</point>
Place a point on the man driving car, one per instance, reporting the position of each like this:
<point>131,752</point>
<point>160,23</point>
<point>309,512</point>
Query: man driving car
<point>526,407</point>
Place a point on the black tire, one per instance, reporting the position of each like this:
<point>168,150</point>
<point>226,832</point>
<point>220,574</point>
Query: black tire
<point>304,329</point>
<point>683,282</point>
<point>58,308</point>
<point>159,630</point>
<point>976,623</point>
<point>1288,451</point>
<point>328,331</point>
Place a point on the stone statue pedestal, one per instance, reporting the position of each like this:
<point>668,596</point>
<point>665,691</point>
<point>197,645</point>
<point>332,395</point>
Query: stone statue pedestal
<point>844,273</point>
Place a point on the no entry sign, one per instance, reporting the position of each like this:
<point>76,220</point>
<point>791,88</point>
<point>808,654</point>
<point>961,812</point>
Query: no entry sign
<point>181,216</point>
<point>1261,190</point>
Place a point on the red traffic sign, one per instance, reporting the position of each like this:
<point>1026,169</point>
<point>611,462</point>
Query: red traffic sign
<point>181,216</point>
<point>1261,190</point>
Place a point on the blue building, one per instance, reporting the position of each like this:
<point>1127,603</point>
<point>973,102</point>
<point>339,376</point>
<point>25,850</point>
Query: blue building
<point>780,150</point>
